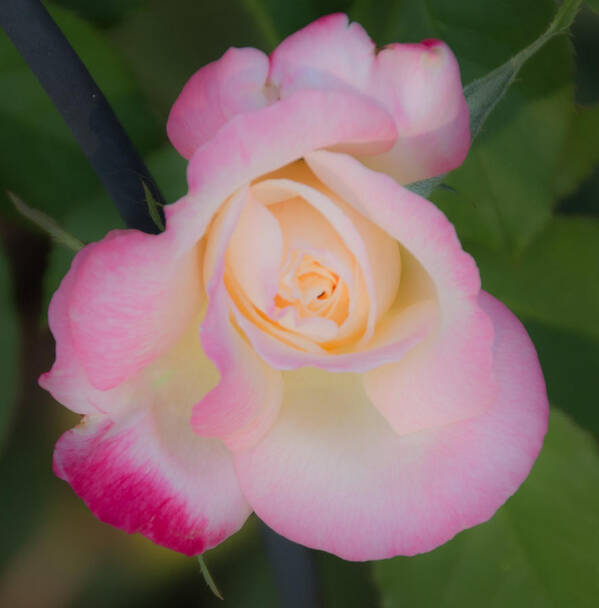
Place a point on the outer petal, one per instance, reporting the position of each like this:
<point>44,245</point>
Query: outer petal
<point>449,376</point>
<point>419,84</point>
<point>67,381</point>
<point>328,53</point>
<point>226,87</point>
<point>332,475</point>
<point>241,408</point>
<point>131,298</point>
<point>145,470</point>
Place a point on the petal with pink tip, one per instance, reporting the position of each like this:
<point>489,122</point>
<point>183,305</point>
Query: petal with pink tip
<point>233,84</point>
<point>333,475</point>
<point>241,408</point>
<point>448,376</point>
<point>143,469</point>
<point>184,496</point>
<point>420,85</point>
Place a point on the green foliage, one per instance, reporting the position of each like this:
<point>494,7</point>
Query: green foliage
<point>208,578</point>
<point>540,549</point>
<point>36,145</point>
<point>46,224</point>
<point>9,348</point>
<point>555,280</point>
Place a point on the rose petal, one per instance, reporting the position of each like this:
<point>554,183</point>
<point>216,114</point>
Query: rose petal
<point>144,469</point>
<point>254,253</point>
<point>241,408</point>
<point>449,376</point>
<point>129,298</point>
<point>332,475</point>
<point>420,85</point>
<point>328,53</point>
<point>233,84</point>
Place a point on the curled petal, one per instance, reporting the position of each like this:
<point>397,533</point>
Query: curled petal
<point>241,408</point>
<point>233,84</point>
<point>333,475</point>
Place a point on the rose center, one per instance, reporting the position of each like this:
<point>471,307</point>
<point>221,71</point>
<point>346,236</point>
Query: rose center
<point>310,288</point>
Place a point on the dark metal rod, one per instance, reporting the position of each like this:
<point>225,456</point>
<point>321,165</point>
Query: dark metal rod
<point>293,568</point>
<point>84,108</point>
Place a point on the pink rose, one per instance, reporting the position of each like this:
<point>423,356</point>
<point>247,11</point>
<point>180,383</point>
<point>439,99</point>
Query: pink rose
<point>307,339</point>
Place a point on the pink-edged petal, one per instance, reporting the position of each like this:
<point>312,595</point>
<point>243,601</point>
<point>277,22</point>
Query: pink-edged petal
<point>233,84</point>
<point>184,495</point>
<point>131,297</point>
<point>449,376</point>
<point>328,53</point>
<point>242,407</point>
<point>142,468</point>
<point>67,381</point>
<point>254,253</point>
<point>258,142</point>
<point>421,87</point>
<point>334,476</point>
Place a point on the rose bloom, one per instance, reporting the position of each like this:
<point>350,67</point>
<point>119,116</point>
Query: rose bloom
<point>307,339</point>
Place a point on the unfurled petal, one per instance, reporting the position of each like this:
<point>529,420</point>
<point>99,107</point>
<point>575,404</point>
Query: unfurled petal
<point>143,469</point>
<point>233,84</point>
<point>334,476</point>
<point>183,495</point>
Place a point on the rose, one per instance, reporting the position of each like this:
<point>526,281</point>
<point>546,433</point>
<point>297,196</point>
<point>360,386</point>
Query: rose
<point>349,380</point>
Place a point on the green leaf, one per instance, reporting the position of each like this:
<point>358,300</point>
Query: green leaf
<point>570,361</point>
<point>39,158</point>
<point>499,180</point>
<point>594,4</point>
<point>580,152</point>
<point>9,348</point>
<point>554,281</point>
<point>47,224</point>
<point>153,205</point>
<point>540,550</point>
<point>208,578</point>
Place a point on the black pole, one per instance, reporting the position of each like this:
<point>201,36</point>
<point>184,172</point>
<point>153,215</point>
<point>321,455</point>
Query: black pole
<point>83,106</point>
<point>112,155</point>
<point>294,571</point>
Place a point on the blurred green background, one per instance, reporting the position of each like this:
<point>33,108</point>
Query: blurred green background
<point>525,204</point>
